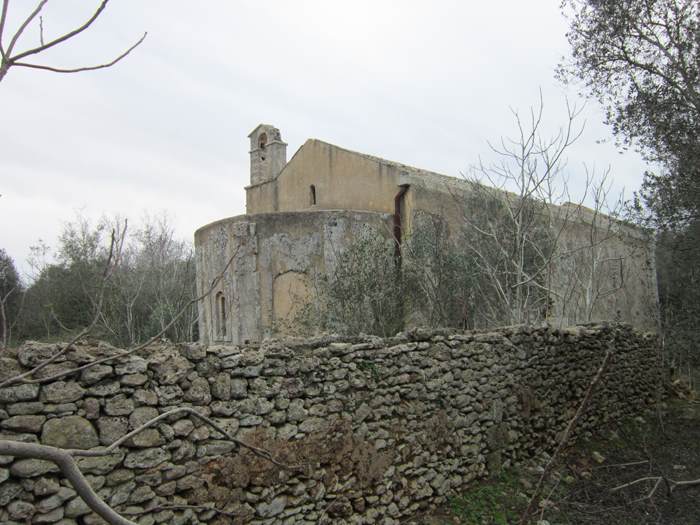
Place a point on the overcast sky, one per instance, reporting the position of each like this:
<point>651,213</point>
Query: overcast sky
<point>426,83</point>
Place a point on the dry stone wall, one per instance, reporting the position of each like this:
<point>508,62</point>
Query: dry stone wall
<point>379,430</point>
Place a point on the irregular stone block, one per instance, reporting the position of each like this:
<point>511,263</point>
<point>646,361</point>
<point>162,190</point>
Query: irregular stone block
<point>33,353</point>
<point>100,464</point>
<point>146,397</point>
<point>12,394</point>
<point>146,458</point>
<point>134,379</point>
<point>106,387</point>
<point>92,408</point>
<point>273,508</point>
<point>23,423</point>
<point>132,365</point>
<point>95,373</point>
<point>119,406</point>
<point>62,392</point>
<point>221,387</point>
<point>21,510</point>
<point>9,491</point>
<point>69,432</point>
<point>50,517</point>
<point>142,415</point>
<point>141,494</point>
<point>29,468</point>
<point>76,507</point>
<point>32,407</point>
<point>46,486</point>
<point>112,428</point>
<point>199,393</point>
<point>56,500</point>
<point>149,437</point>
<point>9,368</point>
<point>170,369</point>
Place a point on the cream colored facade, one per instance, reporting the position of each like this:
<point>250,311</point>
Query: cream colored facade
<point>302,213</point>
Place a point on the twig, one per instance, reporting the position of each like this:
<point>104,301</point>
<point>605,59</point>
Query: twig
<point>84,68</point>
<point>631,464</point>
<point>671,486</point>
<point>111,449</point>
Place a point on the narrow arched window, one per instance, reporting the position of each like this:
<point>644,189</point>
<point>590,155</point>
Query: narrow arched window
<point>220,303</point>
<point>312,194</point>
<point>262,142</point>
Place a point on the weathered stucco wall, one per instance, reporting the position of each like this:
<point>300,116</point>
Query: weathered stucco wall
<point>273,255</point>
<point>608,274</point>
<point>343,180</point>
<point>381,429</point>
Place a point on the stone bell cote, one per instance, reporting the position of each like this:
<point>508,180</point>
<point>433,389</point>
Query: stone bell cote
<point>268,154</point>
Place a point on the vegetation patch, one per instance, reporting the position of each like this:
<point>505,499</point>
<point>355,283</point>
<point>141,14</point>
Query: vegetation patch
<point>496,501</point>
<point>608,479</point>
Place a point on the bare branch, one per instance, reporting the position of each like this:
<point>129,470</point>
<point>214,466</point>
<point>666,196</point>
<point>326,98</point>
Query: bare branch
<point>65,462</point>
<point>60,39</point>
<point>21,29</point>
<point>181,410</point>
<point>84,68</point>
<point>671,486</point>
<point>3,17</point>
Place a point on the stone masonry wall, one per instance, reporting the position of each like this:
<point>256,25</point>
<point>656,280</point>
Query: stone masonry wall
<point>381,429</point>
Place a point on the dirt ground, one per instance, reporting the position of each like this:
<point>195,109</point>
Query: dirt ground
<point>664,443</point>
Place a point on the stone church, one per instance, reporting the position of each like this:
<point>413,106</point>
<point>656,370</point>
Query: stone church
<point>301,213</point>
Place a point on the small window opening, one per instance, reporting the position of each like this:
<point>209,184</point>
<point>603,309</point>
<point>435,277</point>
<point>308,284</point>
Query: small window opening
<point>312,194</point>
<point>262,142</point>
<point>221,314</point>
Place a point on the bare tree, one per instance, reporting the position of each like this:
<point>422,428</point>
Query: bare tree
<point>10,57</point>
<point>511,224</point>
<point>593,266</point>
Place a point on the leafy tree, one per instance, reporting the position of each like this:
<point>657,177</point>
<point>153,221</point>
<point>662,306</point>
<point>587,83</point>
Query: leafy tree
<point>151,280</point>
<point>360,293</point>
<point>439,276</point>
<point>679,292</point>
<point>641,60</point>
